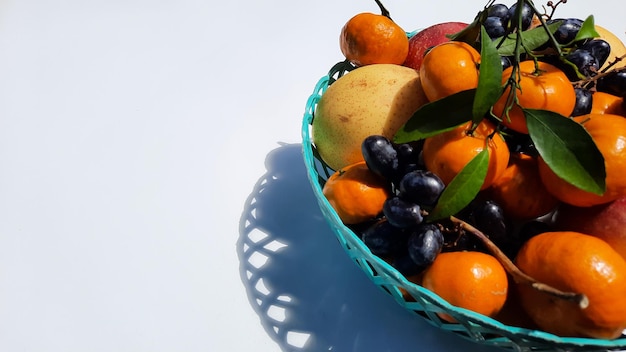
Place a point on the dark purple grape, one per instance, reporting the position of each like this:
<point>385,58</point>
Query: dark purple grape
<point>585,62</point>
<point>527,15</point>
<point>599,48</point>
<point>505,61</point>
<point>409,158</point>
<point>384,239</point>
<point>613,83</point>
<point>584,98</point>
<point>488,217</point>
<point>405,265</point>
<point>519,142</point>
<point>499,10</point>
<point>532,228</point>
<point>380,156</point>
<point>495,27</point>
<point>402,213</point>
<point>568,30</point>
<point>425,243</point>
<point>421,187</point>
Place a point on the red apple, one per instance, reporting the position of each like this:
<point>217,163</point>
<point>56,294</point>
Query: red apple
<point>427,38</point>
<point>607,221</point>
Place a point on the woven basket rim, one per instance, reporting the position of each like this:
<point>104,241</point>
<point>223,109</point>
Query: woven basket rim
<point>511,333</point>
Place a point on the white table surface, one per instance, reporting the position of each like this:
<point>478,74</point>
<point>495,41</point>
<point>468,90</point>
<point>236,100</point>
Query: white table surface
<point>137,137</point>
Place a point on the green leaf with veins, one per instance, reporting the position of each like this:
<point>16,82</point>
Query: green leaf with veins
<point>489,87</point>
<point>568,149</point>
<point>437,116</point>
<point>463,188</point>
<point>532,39</point>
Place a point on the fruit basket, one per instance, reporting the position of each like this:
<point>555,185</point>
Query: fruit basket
<point>415,298</point>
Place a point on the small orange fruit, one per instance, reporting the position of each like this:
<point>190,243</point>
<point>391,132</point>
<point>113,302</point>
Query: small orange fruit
<point>543,87</point>
<point>609,134</point>
<point>369,38</point>
<point>356,193</point>
<point>472,280</point>
<point>449,68</point>
<point>447,153</point>
<point>519,190</point>
<point>580,263</point>
<point>606,103</point>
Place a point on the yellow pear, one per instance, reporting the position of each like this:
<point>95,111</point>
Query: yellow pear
<point>373,99</point>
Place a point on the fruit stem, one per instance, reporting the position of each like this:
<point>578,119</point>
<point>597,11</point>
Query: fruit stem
<point>383,10</point>
<point>519,276</point>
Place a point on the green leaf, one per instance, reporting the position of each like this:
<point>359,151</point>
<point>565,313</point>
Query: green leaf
<point>568,149</point>
<point>587,30</point>
<point>489,87</point>
<point>532,39</point>
<point>437,116</point>
<point>463,188</point>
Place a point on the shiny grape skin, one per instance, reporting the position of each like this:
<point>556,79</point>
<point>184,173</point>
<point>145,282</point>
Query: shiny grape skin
<point>424,244</point>
<point>584,99</point>
<point>421,187</point>
<point>585,62</point>
<point>495,27</point>
<point>599,48</point>
<point>380,156</point>
<point>568,30</point>
<point>527,15</point>
<point>499,10</point>
<point>384,239</point>
<point>613,83</point>
<point>401,213</point>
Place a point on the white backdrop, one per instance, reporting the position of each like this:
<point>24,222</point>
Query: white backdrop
<point>150,158</point>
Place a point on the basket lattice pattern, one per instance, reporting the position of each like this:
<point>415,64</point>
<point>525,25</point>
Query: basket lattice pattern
<point>424,303</point>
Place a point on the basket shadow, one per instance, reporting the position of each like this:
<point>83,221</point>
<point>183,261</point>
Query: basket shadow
<point>307,292</point>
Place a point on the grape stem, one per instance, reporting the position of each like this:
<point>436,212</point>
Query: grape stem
<point>519,276</point>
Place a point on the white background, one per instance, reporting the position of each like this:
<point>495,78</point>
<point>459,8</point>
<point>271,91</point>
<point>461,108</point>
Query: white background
<point>137,136</point>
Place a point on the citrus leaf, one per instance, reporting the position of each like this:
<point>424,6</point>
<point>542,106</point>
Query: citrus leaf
<point>532,39</point>
<point>568,149</point>
<point>437,116</point>
<point>489,87</point>
<point>463,188</point>
<point>587,30</point>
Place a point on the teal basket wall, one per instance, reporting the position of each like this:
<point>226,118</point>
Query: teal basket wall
<point>426,304</point>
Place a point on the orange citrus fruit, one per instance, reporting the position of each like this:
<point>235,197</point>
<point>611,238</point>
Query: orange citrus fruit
<point>519,190</point>
<point>472,280</point>
<point>606,103</point>
<point>447,153</point>
<point>609,134</point>
<point>369,38</point>
<point>580,263</point>
<point>449,68</point>
<point>356,193</point>
<point>543,87</point>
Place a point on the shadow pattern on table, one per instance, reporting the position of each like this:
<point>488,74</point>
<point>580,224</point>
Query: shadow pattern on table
<point>307,292</point>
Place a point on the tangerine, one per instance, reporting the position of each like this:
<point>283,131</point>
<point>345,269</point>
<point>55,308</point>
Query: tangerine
<point>539,86</point>
<point>606,103</point>
<point>449,68</point>
<point>369,38</point>
<point>574,262</point>
<point>447,153</point>
<point>609,134</point>
<point>472,280</point>
<point>356,193</point>
<point>519,190</point>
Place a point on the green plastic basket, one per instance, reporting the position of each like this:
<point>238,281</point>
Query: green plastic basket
<point>472,326</point>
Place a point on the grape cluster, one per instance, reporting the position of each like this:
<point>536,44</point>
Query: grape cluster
<point>581,60</point>
<point>402,235</point>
